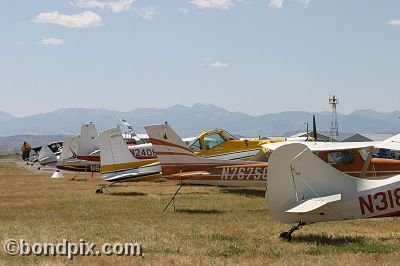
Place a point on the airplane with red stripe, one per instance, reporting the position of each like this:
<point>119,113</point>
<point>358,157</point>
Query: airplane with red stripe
<point>178,162</point>
<point>304,189</point>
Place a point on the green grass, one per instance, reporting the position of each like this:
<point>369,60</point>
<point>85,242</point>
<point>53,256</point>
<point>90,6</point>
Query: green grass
<point>211,225</point>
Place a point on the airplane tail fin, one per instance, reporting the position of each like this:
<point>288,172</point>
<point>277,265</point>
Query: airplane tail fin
<point>172,152</point>
<point>115,154</point>
<point>70,148</point>
<point>89,140</point>
<point>46,154</point>
<point>299,184</point>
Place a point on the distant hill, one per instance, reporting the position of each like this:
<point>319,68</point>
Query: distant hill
<point>4,117</point>
<point>189,121</point>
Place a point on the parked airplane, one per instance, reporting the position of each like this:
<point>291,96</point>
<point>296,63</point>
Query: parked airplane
<point>127,164</point>
<point>304,189</point>
<point>122,164</point>
<point>49,154</point>
<point>352,158</point>
<point>55,147</point>
<point>33,156</point>
<point>81,153</point>
<point>178,162</point>
<point>219,144</point>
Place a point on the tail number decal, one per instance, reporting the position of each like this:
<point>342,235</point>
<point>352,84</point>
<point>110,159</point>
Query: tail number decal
<point>380,201</point>
<point>144,153</point>
<point>244,173</point>
<point>95,168</point>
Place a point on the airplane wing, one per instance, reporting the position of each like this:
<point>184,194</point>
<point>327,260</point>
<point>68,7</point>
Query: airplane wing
<point>392,143</point>
<point>137,176</point>
<point>315,203</point>
<point>325,146</point>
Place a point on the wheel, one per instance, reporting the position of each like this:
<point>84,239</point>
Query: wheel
<point>283,235</point>
<point>99,190</point>
<point>286,236</point>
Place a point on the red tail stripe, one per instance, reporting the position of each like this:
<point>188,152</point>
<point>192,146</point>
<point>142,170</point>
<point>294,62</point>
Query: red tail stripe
<point>165,143</point>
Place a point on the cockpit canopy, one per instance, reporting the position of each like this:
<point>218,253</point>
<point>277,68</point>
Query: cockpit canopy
<point>210,139</point>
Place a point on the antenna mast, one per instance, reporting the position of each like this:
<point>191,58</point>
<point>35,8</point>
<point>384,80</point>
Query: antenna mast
<point>333,101</point>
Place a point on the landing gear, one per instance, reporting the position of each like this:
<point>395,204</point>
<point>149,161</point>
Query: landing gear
<point>100,189</point>
<point>288,234</point>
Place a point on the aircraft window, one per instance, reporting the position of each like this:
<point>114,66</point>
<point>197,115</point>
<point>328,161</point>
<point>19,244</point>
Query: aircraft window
<point>213,140</point>
<point>341,157</point>
<point>195,145</point>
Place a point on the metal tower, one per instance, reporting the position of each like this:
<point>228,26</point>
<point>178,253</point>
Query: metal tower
<point>333,101</point>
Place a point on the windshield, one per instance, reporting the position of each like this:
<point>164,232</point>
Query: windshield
<point>195,145</point>
<point>213,140</point>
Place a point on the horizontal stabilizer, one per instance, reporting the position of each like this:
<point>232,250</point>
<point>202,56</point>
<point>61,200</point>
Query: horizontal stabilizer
<point>315,203</point>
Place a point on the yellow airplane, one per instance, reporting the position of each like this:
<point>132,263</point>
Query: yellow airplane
<point>219,144</point>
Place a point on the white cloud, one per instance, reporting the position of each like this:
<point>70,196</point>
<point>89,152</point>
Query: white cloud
<point>51,41</point>
<point>183,10</point>
<point>147,13</point>
<point>115,6</point>
<point>394,22</point>
<point>83,20</point>
<point>218,64</point>
<point>279,3</point>
<point>276,3</point>
<point>218,4</point>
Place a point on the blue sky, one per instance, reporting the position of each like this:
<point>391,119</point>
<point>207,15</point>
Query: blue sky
<point>253,56</point>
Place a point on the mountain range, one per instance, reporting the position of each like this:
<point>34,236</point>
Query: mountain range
<point>191,120</point>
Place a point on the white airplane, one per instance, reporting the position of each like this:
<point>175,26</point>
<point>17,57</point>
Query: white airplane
<point>33,156</point>
<point>49,154</point>
<point>81,153</point>
<point>120,163</point>
<point>304,189</point>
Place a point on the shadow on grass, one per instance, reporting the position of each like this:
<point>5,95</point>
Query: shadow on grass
<point>323,245</point>
<point>328,240</point>
<point>245,192</point>
<point>126,194</point>
<point>194,211</point>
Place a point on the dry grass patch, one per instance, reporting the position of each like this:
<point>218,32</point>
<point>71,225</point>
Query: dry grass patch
<point>211,225</point>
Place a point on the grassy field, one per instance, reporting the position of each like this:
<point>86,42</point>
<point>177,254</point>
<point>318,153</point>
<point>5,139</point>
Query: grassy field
<point>211,225</point>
